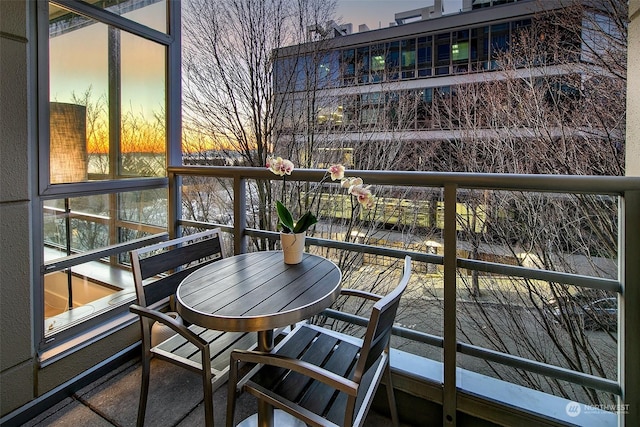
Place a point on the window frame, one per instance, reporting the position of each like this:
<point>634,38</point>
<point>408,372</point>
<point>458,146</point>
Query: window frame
<point>82,333</point>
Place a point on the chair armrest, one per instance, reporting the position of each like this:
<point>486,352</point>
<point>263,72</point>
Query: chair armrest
<point>179,328</point>
<point>300,366</point>
<point>361,294</point>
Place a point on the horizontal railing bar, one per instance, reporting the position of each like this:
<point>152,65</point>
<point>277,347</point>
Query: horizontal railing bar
<point>355,247</point>
<point>414,335</point>
<point>81,258</point>
<point>486,266</point>
<point>539,274</point>
<point>145,228</point>
<point>613,185</point>
<point>529,365</point>
<point>557,372</point>
<point>206,225</point>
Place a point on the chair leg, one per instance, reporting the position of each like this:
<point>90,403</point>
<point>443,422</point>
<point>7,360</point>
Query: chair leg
<point>231,392</point>
<point>391,396</point>
<point>208,404</point>
<point>144,391</point>
<point>208,394</point>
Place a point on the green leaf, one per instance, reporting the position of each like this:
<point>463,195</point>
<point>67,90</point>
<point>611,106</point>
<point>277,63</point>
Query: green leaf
<point>306,221</point>
<point>288,225</point>
<point>286,220</point>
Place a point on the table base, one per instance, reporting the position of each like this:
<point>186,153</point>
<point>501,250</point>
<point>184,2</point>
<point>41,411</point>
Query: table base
<point>280,419</point>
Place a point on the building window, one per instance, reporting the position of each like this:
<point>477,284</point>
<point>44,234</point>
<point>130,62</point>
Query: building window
<point>348,66</point>
<point>284,69</point>
<point>362,60</point>
<point>330,113</point>
<point>328,75</point>
<point>392,64</point>
<point>479,48</point>
<point>425,56</point>
<point>460,51</point>
<point>478,4</point>
<point>499,41</point>
<point>408,58</point>
<point>424,113</point>
<point>378,61</point>
<point>443,53</point>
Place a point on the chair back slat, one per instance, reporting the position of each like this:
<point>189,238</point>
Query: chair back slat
<point>171,261</point>
<point>166,286</point>
<point>382,318</point>
<point>179,256</point>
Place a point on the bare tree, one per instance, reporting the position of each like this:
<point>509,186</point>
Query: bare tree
<point>538,117</point>
<point>229,88</point>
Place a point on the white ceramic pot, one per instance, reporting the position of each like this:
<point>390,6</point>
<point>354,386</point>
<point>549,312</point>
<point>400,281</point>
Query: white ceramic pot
<point>292,247</point>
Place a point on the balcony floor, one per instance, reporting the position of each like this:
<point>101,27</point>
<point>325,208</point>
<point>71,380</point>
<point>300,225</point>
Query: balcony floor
<point>175,399</point>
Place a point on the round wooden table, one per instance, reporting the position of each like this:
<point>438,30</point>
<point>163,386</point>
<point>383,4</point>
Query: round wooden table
<point>258,292</point>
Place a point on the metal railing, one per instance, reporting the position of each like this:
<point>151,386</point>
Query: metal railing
<point>627,285</point>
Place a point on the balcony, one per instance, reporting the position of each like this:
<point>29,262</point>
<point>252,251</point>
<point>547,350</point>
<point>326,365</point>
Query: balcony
<point>446,365</point>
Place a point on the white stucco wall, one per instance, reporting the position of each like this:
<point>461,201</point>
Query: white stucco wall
<point>16,343</point>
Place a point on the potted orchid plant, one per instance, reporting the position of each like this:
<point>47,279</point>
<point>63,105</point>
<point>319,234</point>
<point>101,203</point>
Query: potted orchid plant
<point>293,231</point>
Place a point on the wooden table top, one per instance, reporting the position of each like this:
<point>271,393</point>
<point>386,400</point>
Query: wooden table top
<point>257,291</point>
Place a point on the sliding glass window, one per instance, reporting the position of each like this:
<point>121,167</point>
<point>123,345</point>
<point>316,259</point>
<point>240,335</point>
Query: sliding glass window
<point>103,186</point>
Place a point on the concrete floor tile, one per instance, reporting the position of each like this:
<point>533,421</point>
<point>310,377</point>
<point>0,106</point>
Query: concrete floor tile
<point>69,413</point>
<point>173,393</point>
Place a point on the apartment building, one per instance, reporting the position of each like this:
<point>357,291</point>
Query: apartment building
<point>431,77</point>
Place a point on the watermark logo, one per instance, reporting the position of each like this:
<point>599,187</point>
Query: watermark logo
<point>573,409</point>
<point>616,408</point>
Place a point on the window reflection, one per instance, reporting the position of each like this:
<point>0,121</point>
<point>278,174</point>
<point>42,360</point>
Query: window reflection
<point>152,13</point>
<point>79,225</point>
<point>119,80</point>
<point>143,113</point>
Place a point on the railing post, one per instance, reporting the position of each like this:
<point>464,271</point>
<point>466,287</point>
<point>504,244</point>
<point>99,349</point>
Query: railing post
<point>449,398</point>
<point>239,214</point>
<point>628,312</point>
<point>175,204</point>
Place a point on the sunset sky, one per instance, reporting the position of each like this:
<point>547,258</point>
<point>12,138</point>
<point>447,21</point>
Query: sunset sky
<point>379,13</point>
<point>78,61</point>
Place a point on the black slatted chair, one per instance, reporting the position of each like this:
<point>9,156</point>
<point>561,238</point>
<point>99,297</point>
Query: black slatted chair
<point>322,377</point>
<point>158,270</point>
